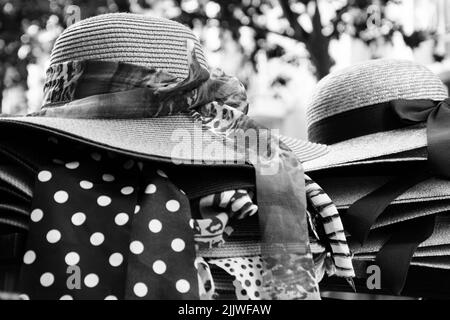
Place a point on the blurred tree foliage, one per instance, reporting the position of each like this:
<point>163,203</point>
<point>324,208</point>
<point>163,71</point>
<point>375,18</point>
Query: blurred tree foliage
<point>21,23</point>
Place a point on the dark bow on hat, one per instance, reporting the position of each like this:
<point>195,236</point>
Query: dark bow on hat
<point>362,215</point>
<point>395,255</point>
<point>437,117</point>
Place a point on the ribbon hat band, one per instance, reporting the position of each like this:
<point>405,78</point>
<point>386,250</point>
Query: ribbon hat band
<point>393,115</point>
<point>94,89</point>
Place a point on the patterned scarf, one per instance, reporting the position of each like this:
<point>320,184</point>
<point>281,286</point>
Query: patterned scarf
<point>102,90</point>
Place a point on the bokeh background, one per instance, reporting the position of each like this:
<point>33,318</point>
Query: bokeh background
<point>278,48</point>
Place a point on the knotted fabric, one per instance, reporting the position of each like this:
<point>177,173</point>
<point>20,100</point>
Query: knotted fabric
<point>437,117</point>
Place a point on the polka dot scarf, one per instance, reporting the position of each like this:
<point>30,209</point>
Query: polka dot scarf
<point>108,230</point>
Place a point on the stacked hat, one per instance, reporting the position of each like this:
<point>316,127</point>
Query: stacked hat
<point>139,87</point>
<point>16,185</point>
<point>386,123</point>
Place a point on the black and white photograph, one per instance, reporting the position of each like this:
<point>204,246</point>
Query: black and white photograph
<point>223,155</point>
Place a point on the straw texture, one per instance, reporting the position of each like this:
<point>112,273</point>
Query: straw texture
<point>304,150</point>
<point>433,262</point>
<point>408,211</point>
<point>433,251</point>
<point>176,138</point>
<point>349,189</point>
<point>149,42</point>
<point>379,237</point>
<point>366,148</point>
<point>373,82</point>
<point>439,262</point>
<point>370,83</point>
<point>145,41</point>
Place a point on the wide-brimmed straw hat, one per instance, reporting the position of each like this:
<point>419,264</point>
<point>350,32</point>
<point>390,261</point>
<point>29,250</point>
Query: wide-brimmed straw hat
<point>148,42</point>
<point>353,111</point>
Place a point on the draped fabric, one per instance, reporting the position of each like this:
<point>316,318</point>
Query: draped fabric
<point>129,229</point>
<point>437,117</point>
<point>362,215</point>
<point>107,229</point>
<point>96,89</point>
<point>218,218</point>
<point>326,211</point>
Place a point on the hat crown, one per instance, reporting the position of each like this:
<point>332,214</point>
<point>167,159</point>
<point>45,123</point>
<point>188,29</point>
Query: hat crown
<point>145,41</point>
<point>370,83</point>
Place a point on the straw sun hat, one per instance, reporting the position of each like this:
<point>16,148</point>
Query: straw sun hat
<point>350,112</point>
<point>146,42</point>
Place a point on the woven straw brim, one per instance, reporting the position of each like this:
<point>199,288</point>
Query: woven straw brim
<point>440,237</point>
<point>347,190</point>
<point>435,262</point>
<point>174,138</point>
<point>404,212</point>
<point>423,252</point>
<point>374,148</point>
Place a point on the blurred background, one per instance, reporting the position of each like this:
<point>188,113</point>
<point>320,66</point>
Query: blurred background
<point>278,48</point>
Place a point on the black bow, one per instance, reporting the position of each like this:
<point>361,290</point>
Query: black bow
<point>437,117</point>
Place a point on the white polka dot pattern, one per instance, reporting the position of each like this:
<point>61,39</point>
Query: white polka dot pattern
<point>72,258</point>
<point>36,215</point>
<point>104,201</point>
<point>61,197</point>
<point>29,257</point>
<point>78,218</point>
<point>155,226</point>
<point>115,259</point>
<point>97,238</point>
<point>86,184</point>
<point>140,289</point>
<point>53,236</point>
<point>127,190</point>
<point>182,286</point>
<point>159,267</point>
<point>91,280</point>
<point>172,205</point>
<point>72,165</point>
<point>108,177</point>
<point>121,219</point>
<point>136,247</point>
<point>90,212</point>
<point>47,279</point>
<point>248,273</point>
<point>44,176</point>
<point>151,188</point>
<point>178,245</point>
